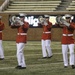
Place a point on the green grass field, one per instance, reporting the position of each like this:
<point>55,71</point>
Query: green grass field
<point>35,64</point>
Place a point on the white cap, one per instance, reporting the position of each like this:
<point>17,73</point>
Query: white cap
<point>68,15</point>
<point>46,16</point>
<point>22,14</point>
<point>0,17</point>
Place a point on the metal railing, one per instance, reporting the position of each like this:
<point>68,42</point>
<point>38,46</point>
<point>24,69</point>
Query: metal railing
<point>4,5</point>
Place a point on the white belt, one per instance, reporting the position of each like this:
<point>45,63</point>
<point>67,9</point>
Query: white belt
<point>22,33</point>
<point>67,34</point>
<point>46,32</point>
<point>0,31</point>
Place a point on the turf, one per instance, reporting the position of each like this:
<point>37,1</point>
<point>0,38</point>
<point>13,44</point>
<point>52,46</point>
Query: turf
<point>33,57</point>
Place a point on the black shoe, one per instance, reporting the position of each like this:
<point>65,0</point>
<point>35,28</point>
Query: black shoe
<point>17,67</point>
<point>44,57</point>
<point>50,56</point>
<point>73,67</point>
<point>65,66</point>
<point>1,58</point>
<point>20,67</point>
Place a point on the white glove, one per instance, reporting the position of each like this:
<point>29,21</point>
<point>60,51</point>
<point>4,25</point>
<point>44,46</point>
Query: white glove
<point>66,23</point>
<point>12,23</point>
<point>20,22</point>
<point>45,23</point>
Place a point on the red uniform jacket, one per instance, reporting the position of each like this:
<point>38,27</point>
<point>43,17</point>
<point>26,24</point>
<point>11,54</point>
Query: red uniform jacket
<point>47,31</point>
<point>67,36</point>
<point>22,32</point>
<point>1,28</point>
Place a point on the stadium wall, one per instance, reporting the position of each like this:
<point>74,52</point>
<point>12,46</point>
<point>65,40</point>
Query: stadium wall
<point>33,33</point>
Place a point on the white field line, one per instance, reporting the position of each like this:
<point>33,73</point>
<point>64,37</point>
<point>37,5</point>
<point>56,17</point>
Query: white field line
<point>6,57</point>
<point>31,55</point>
<point>5,68</point>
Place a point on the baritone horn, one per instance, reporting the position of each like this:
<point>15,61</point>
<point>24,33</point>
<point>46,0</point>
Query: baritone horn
<point>15,21</point>
<point>61,20</point>
<point>42,20</point>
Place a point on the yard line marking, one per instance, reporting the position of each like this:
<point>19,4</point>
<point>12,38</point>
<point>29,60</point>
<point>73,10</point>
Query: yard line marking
<point>32,65</point>
<point>7,68</point>
<point>30,55</point>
